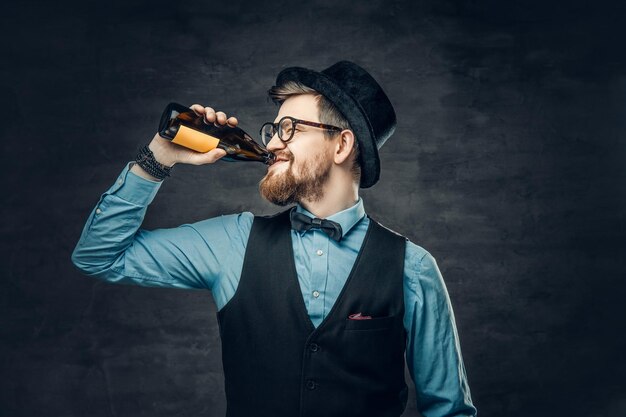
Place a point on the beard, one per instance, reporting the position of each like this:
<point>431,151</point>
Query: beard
<point>283,188</point>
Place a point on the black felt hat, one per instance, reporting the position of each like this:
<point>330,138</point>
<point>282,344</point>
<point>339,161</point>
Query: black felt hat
<point>361,101</point>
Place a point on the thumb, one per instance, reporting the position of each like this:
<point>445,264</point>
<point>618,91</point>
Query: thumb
<point>201,158</point>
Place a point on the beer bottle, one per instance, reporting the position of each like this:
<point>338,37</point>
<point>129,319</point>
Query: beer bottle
<point>183,126</point>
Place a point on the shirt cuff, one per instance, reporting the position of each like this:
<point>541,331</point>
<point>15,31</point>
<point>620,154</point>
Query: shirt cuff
<point>134,188</point>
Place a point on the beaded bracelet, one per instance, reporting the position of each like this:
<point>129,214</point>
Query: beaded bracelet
<point>145,159</point>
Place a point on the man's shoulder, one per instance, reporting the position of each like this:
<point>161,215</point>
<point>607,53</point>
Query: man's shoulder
<point>227,222</point>
<point>241,221</point>
<point>414,252</point>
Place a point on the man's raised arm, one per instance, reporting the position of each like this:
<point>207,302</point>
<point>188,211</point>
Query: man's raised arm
<point>113,247</point>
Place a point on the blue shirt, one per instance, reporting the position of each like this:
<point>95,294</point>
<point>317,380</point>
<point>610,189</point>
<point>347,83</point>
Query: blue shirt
<point>209,255</point>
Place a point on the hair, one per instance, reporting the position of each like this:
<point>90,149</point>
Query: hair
<point>327,112</point>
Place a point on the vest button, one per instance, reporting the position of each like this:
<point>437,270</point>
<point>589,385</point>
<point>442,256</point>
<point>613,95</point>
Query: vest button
<point>314,347</point>
<point>310,384</point>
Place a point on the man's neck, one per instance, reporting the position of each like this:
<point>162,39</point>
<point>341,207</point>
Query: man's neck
<point>336,198</point>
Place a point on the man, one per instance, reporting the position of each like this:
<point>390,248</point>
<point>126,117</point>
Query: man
<point>318,304</point>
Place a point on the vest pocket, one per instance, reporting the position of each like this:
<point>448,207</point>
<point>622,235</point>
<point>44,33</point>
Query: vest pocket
<point>375,323</point>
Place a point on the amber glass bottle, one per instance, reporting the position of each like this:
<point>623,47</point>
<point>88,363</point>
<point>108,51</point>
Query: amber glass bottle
<point>183,126</point>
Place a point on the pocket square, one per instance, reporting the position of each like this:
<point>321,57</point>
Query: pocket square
<point>359,316</point>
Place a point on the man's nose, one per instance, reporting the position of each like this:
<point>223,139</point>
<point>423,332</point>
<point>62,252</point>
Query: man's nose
<point>276,144</point>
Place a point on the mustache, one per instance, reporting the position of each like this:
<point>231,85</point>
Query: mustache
<point>284,155</point>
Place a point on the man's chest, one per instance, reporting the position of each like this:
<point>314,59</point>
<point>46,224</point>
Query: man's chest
<point>323,267</point>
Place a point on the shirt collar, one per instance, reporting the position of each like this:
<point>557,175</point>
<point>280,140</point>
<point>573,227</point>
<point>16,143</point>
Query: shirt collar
<point>346,218</point>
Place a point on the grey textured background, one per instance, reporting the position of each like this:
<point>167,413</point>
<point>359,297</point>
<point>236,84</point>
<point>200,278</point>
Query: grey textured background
<point>507,165</point>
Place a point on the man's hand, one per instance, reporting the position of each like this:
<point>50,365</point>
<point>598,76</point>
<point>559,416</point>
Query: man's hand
<point>169,153</point>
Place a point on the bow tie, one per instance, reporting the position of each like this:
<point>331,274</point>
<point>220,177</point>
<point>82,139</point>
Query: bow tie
<point>302,223</point>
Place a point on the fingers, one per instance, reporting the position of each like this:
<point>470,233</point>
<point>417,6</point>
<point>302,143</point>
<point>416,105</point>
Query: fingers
<point>221,117</point>
<point>198,109</point>
<point>211,116</point>
<point>211,156</point>
<point>201,158</point>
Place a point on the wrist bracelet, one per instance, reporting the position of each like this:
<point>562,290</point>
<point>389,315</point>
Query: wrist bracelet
<point>145,159</point>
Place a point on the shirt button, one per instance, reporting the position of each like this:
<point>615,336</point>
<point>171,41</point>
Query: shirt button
<point>120,181</point>
<point>316,294</point>
<point>319,252</point>
<point>98,211</point>
<point>310,384</point>
<point>314,347</point>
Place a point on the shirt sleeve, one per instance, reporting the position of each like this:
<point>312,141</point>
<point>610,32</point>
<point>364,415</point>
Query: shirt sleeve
<point>433,351</point>
<point>114,248</point>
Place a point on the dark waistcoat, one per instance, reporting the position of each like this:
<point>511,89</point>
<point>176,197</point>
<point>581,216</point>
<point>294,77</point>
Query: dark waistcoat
<point>277,364</point>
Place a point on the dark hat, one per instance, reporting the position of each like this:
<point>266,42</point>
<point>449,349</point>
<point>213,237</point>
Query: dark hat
<point>361,101</point>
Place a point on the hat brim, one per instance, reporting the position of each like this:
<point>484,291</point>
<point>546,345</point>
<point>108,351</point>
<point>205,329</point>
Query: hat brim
<point>351,110</point>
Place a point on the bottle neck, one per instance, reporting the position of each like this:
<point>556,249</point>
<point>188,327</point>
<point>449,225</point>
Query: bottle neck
<point>269,158</point>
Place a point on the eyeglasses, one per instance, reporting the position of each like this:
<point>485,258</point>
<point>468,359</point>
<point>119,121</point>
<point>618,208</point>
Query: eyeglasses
<point>286,128</point>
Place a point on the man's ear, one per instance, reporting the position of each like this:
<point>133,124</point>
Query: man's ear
<point>345,144</point>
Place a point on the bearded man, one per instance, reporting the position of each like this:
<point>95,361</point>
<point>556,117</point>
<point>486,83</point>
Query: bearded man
<point>319,305</point>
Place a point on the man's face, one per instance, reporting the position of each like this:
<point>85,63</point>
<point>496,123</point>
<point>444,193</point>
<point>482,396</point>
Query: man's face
<point>303,164</point>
